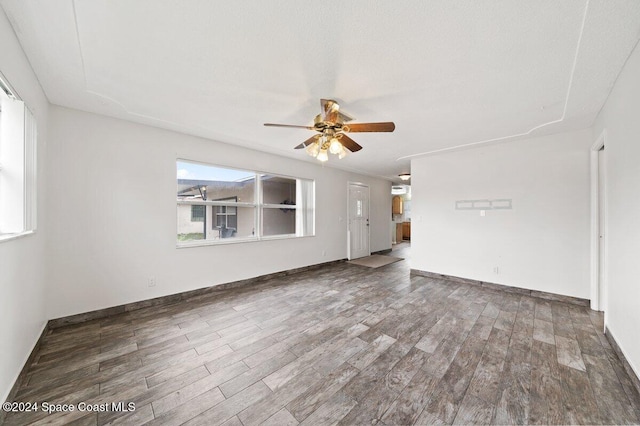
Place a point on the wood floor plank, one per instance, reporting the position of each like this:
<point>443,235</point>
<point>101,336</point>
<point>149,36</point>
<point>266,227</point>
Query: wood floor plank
<point>256,373</point>
<point>579,401</point>
<point>274,401</point>
<point>197,388</point>
<point>281,418</point>
<point>513,401</point>
<point>569,354</point>
<point>332,411</point>
<point>474,411</point>
<point>189,409</point>
<point>543,331</point>
<point>545,401</point>
<point>446,400</point>
<point>230,407</point>
<point>486,379</point>
<point>612,400</point>
<point>412,400</point>
<point>363,359</point>
<point>371,409</point>
<point>317,394</point>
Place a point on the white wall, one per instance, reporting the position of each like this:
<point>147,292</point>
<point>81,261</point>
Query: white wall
<point>22,269</point>
<point>619,118</point>
<point>541,244</point>
<point>113,222</point>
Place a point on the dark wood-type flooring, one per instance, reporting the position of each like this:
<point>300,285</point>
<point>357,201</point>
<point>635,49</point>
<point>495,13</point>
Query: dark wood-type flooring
<point>345,344</point>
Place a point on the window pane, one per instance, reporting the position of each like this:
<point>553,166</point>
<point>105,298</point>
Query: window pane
<point>305,225</point>
<point>278,221</point>
<point>225,217</point>
<point>200,181</point>
<point>15,145</point>
<point>222,222</point>
<point>197,213</point>
<point>278,190</point>
<point>233,222</point>
<point>188,230</point>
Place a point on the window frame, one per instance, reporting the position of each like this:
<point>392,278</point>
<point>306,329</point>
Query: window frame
<point>257,204</point>
<point>28,168</point>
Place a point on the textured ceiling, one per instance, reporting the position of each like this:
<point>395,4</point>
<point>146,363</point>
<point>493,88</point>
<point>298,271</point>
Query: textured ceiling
<point>449,73</point>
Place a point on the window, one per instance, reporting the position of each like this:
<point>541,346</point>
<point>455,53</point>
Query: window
<point>197,213</point>
<point>226,216</point>
<point>219,205</point>
<point>17,165</point>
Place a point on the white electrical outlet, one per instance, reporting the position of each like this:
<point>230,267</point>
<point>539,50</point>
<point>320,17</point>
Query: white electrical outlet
<point>151,282</point>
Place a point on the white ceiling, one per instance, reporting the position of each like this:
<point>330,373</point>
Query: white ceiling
<point>449,73</point>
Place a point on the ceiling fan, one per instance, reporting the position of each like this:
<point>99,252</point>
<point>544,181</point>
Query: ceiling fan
<point>332,132</point>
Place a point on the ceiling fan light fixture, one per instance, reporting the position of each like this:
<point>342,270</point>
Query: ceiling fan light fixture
<point>332,132</point>
<point>335,147</point>
<point>342,153</point>
<point>313,149</point>
<point>323,156</point>
<point>404,176</point>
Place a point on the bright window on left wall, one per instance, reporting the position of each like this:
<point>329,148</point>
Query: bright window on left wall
<point>18,135</point>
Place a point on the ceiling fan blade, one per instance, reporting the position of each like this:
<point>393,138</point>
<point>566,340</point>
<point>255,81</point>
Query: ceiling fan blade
<point>330,110</point>
<point>349,143</point>
<point>371,127</point>
<point>308,142</point>
<point>289,125</point>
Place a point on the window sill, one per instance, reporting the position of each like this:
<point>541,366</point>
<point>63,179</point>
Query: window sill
<point>10,237</point>
<point>225,241</point>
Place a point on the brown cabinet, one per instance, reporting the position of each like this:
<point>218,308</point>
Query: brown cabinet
<point>396,205</point>
<point>406,230</point>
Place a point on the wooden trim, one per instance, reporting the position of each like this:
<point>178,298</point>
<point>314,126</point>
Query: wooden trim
<point>507,288</point>
<point>627,367</point>
<point>175,298</point>
<point>23,373</point>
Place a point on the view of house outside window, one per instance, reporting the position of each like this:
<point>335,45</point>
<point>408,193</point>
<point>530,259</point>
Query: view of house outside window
<point>219,205</point>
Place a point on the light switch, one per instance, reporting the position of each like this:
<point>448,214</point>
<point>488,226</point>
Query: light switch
<point>483,213</point>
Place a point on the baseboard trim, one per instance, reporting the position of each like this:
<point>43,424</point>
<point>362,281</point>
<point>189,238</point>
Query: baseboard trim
<point>17,384</point>
<point>627,367</point>
<point>175,298</point>
<point>509,289</point>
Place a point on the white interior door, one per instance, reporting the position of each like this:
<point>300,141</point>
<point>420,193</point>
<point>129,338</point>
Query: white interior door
<point>358,231</point>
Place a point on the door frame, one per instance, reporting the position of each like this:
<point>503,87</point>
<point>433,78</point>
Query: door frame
<point>363,185</point>
<point>597,287</point>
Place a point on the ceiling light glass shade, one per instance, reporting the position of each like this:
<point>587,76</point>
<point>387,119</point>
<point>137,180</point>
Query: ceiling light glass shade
<point>343,153</point>
<point>405,176</point>
<point>313,149</point>
<point>335,147</point>
<point>323,156</point>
